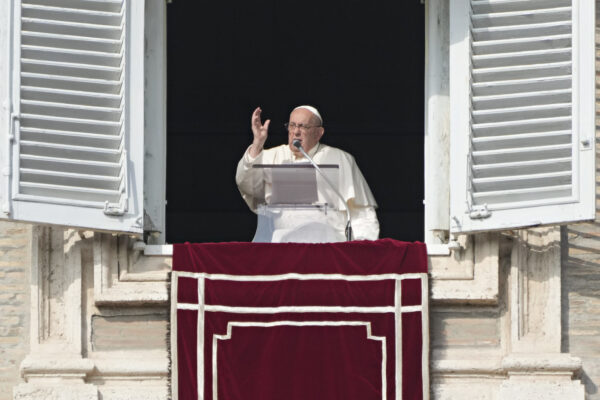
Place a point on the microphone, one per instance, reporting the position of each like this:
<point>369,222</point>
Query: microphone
<point>297,144</point>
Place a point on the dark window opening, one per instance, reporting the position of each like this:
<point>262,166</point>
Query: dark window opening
<point>360,62</point>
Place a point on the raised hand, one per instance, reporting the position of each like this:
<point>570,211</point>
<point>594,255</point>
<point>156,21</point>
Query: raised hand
<point>260,132</point>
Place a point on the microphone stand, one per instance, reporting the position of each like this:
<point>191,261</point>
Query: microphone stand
<point>298,145</point>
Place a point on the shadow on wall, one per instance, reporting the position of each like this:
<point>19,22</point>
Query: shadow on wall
<point>581,299</point>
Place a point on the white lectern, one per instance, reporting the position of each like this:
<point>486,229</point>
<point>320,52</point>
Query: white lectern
<point>296,204</point>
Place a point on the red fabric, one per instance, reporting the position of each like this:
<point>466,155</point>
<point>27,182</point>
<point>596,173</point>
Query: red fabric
<point>314,362</point>
<point>187,362</point>
<point>300,353</point>
<point>300,293</point>
<point>187,290</point>
<point>300,361</point>
<point>349,258</point>
<point>411,292</point>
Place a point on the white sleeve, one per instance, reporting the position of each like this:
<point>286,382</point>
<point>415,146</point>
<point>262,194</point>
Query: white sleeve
<point>247,180</point>
<point>365,225</point>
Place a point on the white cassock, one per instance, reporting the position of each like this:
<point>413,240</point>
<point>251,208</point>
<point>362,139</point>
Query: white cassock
<point>352,185</point>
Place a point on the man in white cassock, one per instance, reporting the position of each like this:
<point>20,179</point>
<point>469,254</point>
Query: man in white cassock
<point>306,126</point>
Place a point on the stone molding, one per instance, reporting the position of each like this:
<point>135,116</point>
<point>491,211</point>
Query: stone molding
<point>125,276</point>
<point>468,275</point>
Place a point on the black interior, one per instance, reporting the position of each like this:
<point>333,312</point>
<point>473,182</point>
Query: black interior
<point>361,63</point>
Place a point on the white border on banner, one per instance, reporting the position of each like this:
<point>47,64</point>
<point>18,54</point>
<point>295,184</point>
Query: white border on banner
<point>367,325</point>
<point>398,337</point>
<point>425,336</point>
<point>297,309</point>
<point>301,277</point>
<point>200,338</point>
<point>173,330</point>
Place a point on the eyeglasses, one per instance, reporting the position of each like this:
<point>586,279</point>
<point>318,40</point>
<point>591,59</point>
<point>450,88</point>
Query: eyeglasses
<point>292,125</point>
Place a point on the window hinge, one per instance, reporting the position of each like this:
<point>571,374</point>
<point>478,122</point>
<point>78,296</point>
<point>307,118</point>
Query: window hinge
<point>480,212</point>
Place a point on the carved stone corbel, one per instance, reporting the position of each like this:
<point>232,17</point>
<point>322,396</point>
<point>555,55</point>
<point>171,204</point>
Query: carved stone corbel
<point>535,366</point>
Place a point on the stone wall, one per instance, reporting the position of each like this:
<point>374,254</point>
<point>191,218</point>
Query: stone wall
<point>581,277</point>
<point>14,303</point>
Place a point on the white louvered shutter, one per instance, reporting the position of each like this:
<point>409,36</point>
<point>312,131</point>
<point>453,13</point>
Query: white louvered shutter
<point>77,129</point>
<point>522,113</point>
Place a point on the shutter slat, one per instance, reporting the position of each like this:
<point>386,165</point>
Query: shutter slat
<point>521,58</point>
<point>72,83</point>
<point>70,152</point>
<point>71,179</point>
<point>551,70</point>
<point>71,70</point>
<point>71,15</point>
<point>70,96</point>
<point>521,85</point>
<point>71,111</point>
<point>521,113</point>
<point>522,181</point>
<point>532,30</point>
<point>512,198</point>
<point>95,5</point>
<point>525,17</point>
<point>66,165</point>
<point>523,140</point>
<point>522,44</point>
<point>71,42</point>
<point>69,192</point>
<point>521,154</point>
<point>71,28</point>
<point>100,59</point>
<point>71,138</point>
<point>63,124</point>
<point>499,6</point>
<point>516,168</point>
<point>521,126</point>
<point>49,118</point>
<point>521,99</point>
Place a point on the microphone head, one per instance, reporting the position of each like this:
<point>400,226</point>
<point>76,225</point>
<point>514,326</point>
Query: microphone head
<point>297,143</point>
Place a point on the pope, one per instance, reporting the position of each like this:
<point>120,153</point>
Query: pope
<point>306,126</point>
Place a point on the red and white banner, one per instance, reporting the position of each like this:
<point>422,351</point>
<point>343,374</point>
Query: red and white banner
<point>300,321</point>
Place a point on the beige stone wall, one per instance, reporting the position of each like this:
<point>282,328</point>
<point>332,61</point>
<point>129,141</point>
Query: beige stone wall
<point>14,303</point>
<point>581,276</point>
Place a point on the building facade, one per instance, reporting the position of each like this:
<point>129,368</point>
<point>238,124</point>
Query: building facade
<point>514,312</point>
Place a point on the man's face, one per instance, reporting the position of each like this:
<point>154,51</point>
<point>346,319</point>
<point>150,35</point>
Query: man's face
<point>308,137</point>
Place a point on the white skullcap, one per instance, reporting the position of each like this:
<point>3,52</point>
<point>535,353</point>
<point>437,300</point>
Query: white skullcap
<point>312,110</point>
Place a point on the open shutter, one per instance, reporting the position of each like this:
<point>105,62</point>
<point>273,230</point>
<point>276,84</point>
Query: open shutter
<point>522,113</point>
<point>76,154</point>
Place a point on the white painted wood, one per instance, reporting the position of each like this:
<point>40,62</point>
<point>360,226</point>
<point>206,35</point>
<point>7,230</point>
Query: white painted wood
<point>78,94</point>
<point>459,104</point>
<point>155,160</point>
<point>437,126</point>
<point>522,83</point>
<point>6,54</point>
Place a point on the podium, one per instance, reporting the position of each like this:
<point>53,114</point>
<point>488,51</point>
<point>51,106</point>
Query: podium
<point>296,203</point>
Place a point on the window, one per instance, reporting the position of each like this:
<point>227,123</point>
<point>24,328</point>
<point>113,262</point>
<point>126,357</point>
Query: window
<point>509,128</point>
